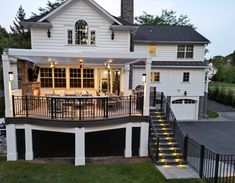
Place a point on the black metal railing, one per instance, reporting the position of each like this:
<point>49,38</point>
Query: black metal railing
<point>79,108</point>
<point>154,141</point>
<point>210,166</point>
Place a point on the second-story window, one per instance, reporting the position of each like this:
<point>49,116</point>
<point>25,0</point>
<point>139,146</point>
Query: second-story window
<point>185,51</point>
<point>81,32</point>
<point>152,49</point>
<point>186,76</point>
<point>93,39</point>
<point>70,36</point>
<point>155,76</point>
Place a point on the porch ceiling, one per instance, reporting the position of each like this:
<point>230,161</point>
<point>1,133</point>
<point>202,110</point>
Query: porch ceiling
<point>40,57</point>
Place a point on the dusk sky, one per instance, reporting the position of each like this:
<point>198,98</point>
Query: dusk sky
<point>215,19</point>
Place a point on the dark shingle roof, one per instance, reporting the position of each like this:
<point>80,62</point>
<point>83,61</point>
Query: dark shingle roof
<point>36,18</point>
<point>122,21</point>
<point>168,33</point>
<point>174,64</point>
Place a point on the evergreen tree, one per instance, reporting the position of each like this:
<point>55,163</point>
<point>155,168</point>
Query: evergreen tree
<point>50,6</point>
<point>167,17</point>
<point>17,28</point>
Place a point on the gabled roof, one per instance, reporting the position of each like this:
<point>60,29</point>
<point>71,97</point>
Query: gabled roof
<point>44,17</point>
<point>168,34</point>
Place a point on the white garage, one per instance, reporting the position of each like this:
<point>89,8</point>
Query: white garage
<point>184,109</point>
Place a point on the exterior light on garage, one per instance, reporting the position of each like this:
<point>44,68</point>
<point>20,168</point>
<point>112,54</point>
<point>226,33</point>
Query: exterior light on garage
<point>11,76</point>
<point>185,93</point>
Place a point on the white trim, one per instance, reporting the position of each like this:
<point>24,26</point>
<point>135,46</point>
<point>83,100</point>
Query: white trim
<point>108,15</point>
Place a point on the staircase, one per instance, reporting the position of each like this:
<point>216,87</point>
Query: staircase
<point>164,142</point>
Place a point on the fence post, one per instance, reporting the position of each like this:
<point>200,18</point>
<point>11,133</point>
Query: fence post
<point>201,165</point>
<point>216,168</point>
<point>26,106</point>
<point>130,105</point>
<point>161,101</point>
<point>185,147</point>
<point>13,105</point>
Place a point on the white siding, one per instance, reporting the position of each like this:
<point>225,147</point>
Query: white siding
<point>67,17</point>
<point>13,68</point>
<point>171,81</point>
<point>169,52</point>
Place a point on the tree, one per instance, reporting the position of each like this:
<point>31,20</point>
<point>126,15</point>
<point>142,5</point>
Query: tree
<point>233,58</point>
<point>50,6</point>
<point>167,17</point>
<point>5,40</point>
<point>20,35</point>
<point>17,28</point>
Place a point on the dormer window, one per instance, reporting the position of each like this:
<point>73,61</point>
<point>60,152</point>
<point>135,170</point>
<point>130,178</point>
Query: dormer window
<point>81,32</point>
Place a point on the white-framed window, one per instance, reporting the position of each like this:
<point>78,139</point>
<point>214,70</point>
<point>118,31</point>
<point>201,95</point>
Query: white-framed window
<point>60,77</point>
<point>75,78</point>
<point>186,76</point>
<point>152,49</point>
<point>189,101</point>
<point>179,101</point>
<point>93,37</point>
<point>46,77</point>
<point>81,33</point>
<point>155,77</point>
<point>69,36</point>
<point>185,51</point>
<point>88,78</point>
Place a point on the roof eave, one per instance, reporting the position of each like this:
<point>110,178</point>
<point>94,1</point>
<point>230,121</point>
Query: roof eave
<point>169,42</point>
<point>172,66</point>
<point>45,25</point>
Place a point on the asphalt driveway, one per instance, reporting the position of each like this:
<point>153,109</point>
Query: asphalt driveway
<point>218,136</point>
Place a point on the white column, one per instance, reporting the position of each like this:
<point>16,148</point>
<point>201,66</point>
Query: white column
<point>79,146</point>
<point>28,143</point>
<point>11,143</point>
<point>148,66</point>
<point>7,84</point>
<point>128,145</point>
<point>144,135</point>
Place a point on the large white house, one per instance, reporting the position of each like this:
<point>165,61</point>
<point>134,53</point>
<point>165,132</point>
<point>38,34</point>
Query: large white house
<point>80,48</point>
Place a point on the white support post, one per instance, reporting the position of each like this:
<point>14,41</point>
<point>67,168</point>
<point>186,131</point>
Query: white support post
<point>7,85</point>
<point>28,143</point>
<point>128,148</point>
<point>148,66</point>
<point>79,146</point>
<point>11,143</point>
<point>144,135</point>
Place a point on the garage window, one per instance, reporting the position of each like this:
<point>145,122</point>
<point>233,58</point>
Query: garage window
<point>188,101</point>
<point>186,77</point>
<point>177,101</point>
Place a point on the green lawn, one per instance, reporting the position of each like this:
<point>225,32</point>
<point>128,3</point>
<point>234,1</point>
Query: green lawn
<point>212,114</point>
<point>21,172</point>
<point>226,86</point>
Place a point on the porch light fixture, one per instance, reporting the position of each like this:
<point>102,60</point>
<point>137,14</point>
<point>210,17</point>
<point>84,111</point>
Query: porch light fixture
<point>49,33</point>
<point>112,35</point>
<point>81,63</point>
<point>144,78</point>
<point>11,76</point>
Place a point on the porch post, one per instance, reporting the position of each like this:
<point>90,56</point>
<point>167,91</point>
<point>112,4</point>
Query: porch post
<point>128,148</point>
<point>28,143</point>
<point>147,86</point>
<point>11,143</point>
<point>79,146</point>
<point>144,135</point>
<point>7,84</point>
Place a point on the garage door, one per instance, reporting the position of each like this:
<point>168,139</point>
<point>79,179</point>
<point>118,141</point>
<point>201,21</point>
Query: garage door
<point>184,109</point>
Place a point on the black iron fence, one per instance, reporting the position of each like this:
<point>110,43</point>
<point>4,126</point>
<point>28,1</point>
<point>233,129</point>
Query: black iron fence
<point>79,108</point>
<point>209,165</point>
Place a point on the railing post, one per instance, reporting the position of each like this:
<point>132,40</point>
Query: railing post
<point>157,149</point>
<point>185,147</point>
<point>26,106</point>
<point>161,101</point>
<point>107,108</point>
<point>216,168</point>
<point>130,105</point>
<point>51,107</point>
<point>13,105</point>
<point>154,96</point>
<point>80,109</point>
<point>201,165</point>
<point>55,107</point>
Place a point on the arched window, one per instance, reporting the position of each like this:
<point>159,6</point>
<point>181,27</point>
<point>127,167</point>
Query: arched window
<point>81,32</point>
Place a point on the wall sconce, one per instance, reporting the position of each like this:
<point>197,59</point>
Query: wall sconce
<point>185,93</point>
<point>81,63</point>
<point>49,33</point>
<point>144,78</point>
<point>112,35</point>
<point>11,76</point>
